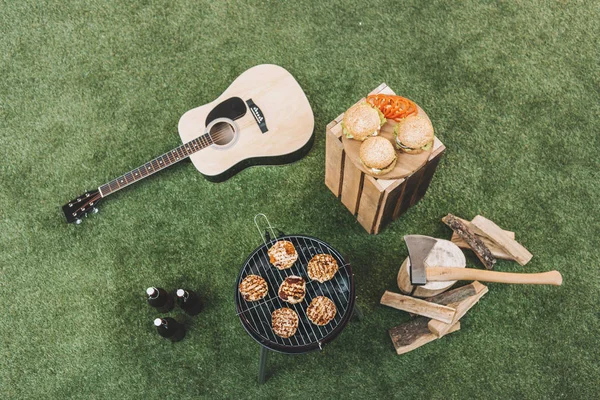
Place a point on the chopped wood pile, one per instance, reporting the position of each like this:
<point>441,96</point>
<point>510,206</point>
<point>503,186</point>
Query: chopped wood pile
<point>440,315</point>
<point>423,328</point>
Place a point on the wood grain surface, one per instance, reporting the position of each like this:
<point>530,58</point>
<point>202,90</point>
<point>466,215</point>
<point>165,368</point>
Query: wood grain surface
<point>462,300</point>
<point>418,306</point>
<point>414,334</point>
<point>519,253</point>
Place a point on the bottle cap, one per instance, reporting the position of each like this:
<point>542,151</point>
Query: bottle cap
<point>158,322</point>
<point>150,291</point>
<point>180,292</point>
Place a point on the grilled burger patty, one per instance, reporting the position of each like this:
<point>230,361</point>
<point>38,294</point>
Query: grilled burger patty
<point>253,288</point>
<point>284,322</point>
<point>283,254</point>
<point>321,310</point>
<point>293,289</point>
<point>322,267</point>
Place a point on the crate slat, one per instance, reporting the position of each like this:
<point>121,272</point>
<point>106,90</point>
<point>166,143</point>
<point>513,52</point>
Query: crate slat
<point>391,197</point>
<point>370,202</point>
<point>351,185</point>
<point>430,168</point>
<point>334,163</point>
<point>380,89</point>
<point>411,184</point>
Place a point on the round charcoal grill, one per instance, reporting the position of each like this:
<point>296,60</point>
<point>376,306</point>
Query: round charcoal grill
<point>256,316</point>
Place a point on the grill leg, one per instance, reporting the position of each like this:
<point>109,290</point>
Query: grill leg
<point>262,366</point>
<point>357,312</point>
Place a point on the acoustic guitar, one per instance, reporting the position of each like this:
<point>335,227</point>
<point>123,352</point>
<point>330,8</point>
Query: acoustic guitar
<point>262,118</point>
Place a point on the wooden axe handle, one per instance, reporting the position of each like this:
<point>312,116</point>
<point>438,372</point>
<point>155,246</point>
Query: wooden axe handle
<point>467,274</point>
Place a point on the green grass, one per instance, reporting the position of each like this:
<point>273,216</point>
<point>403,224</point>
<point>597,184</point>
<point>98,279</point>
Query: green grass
<point>89,90</point>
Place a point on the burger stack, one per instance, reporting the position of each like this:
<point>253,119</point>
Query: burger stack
<point>413,134</point>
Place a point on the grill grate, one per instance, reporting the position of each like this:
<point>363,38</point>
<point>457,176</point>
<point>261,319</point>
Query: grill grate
<point>256,316</point>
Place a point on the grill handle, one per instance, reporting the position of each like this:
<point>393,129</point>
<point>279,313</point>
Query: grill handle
<point>268,238</point>
<point>261,219</point>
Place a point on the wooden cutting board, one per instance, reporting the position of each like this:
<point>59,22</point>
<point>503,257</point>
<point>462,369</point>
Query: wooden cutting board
<point>406,164</point>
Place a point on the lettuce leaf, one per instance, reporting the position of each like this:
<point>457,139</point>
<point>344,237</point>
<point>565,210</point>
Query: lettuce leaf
<point>382,118</point>
<point>346,132</point>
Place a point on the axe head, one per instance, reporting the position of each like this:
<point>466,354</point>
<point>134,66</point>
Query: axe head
<point>419,247</point>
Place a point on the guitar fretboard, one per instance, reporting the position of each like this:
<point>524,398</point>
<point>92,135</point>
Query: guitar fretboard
<point>159,163</point>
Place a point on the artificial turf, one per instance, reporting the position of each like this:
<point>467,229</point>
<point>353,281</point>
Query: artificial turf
<point>92,89</point>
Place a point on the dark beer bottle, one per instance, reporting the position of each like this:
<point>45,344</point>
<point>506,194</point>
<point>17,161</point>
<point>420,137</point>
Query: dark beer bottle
<point>160,299</point>
<point>169,328</point>
<point>189,301</point>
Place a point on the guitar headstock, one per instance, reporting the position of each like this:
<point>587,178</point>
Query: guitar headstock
<point>82,206</point>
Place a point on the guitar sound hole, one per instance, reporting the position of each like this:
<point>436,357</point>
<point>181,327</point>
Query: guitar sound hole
<point>222,133</point>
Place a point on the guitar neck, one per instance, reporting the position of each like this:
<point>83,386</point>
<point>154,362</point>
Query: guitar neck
<point>157,164</point>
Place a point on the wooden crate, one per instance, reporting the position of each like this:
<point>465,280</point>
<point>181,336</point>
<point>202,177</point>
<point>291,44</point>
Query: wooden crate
<point>375,202</point>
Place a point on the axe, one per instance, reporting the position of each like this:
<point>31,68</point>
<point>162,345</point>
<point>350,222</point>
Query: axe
<point>419,247</point>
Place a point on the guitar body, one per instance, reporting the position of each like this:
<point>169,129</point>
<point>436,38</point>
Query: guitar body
<point>262,118</point>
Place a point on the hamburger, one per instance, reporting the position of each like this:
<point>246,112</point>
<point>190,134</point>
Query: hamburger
<point>362,121</point>
<point>414,134</point>
<point>378,155</point>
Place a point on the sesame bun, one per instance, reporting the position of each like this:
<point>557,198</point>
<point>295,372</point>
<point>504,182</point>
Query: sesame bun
<point>362,121</point>
<point>378,155</point>
<point>414,134</point>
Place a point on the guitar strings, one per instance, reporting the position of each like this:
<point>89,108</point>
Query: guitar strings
<point>219,134</point>
<point>214,137</point>
<point>92,200</point>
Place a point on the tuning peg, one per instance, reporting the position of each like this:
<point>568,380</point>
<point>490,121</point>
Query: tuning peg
<point>77,221</point>
<point>95,210</point>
